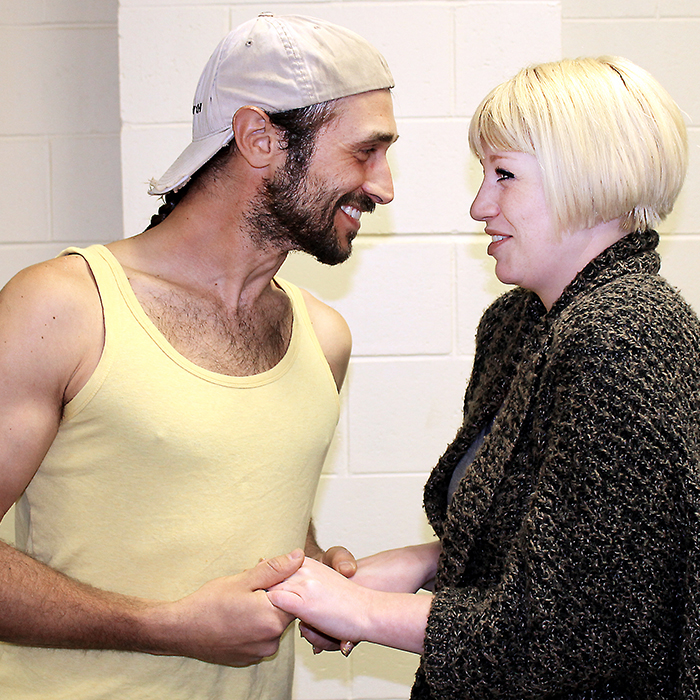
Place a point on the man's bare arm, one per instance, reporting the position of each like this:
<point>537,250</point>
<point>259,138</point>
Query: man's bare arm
<point>228,621</point>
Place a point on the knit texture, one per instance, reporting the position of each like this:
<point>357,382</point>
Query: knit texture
<point>570,549</point>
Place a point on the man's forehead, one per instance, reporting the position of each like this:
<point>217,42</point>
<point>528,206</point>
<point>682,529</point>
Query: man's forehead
<point>369,115</point>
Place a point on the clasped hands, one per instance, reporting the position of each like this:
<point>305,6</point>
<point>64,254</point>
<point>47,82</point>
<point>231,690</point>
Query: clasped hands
<point>315,592</point>
<point>371,599</point>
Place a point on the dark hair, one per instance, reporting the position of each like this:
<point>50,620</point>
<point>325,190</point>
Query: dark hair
<point>299,128</point>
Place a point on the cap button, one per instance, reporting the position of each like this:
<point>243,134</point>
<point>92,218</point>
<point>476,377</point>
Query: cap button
<point>266,14</point>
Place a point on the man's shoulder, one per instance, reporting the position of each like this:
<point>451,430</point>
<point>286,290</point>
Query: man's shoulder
<point>320,312</point>
<point>51,320</point>
<point>332,332</point>
<point>50,285</point>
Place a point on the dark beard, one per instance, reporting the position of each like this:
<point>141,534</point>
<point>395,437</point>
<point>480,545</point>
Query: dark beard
<point>297,213</point>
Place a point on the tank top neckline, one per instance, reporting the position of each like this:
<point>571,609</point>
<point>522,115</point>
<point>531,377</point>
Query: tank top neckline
<point>139,314</point>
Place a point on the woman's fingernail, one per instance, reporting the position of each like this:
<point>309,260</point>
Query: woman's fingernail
<point>346,648</point>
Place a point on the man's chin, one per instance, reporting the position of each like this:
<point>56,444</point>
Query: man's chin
<point>330,249</point>
<point>336,258</point>
<point>332,255</point>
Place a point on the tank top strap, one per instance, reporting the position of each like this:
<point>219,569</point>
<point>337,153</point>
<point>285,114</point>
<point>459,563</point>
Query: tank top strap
<point>106,274</point>
<point>302,318</point>
<point>106,279</point>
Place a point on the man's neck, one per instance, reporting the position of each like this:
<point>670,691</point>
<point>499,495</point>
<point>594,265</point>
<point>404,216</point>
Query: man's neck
<point>209,292</point>
<point>204,249</point>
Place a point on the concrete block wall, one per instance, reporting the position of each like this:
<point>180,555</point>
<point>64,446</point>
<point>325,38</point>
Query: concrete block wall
<point>419,278</point>
<point>659,36</point>
<point>59,128</point>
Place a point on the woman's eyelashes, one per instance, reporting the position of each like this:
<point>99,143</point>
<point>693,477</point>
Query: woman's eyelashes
<point>504,174</point>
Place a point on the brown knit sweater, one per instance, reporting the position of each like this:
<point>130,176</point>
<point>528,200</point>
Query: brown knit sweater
<point>571,546</point>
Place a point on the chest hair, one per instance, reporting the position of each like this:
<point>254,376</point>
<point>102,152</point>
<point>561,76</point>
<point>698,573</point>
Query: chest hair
<point>236,342</point>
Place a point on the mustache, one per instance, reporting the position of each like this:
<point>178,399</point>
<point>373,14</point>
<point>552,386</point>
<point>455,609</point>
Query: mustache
<point>358,200</point>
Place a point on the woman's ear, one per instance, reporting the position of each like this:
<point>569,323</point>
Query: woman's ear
<point>256,138</point>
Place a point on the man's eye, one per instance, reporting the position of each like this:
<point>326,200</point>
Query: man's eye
<point>504,174</point>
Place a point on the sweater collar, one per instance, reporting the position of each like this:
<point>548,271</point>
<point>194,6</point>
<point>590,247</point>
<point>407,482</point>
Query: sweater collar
<point>635,253</point>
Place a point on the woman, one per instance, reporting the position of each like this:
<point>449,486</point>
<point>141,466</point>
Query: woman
<point>567,506</point>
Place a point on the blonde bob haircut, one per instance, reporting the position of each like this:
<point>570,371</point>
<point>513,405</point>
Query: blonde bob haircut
<point>610,141</point>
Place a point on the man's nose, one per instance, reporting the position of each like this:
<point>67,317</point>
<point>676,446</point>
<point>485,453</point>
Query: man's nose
<point>379,185</point>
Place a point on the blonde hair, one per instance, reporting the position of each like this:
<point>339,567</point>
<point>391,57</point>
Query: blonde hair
<point>610,140</point>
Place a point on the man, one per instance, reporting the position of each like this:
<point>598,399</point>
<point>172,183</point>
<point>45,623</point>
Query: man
<point>166,403</point>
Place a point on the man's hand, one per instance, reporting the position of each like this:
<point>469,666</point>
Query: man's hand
<point>230,620</point>
<point>340,559</point>
<point>337,558</point>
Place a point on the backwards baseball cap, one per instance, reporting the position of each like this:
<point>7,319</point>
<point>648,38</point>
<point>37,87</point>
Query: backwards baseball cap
<point>276,64</point>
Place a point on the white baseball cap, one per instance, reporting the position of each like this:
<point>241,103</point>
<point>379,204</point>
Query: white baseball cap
<point>276,64</point>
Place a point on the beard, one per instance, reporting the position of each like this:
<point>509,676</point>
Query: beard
<point>298,213</point>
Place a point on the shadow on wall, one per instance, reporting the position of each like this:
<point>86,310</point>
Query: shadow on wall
<point>330,283</point>
<point>679,256</point>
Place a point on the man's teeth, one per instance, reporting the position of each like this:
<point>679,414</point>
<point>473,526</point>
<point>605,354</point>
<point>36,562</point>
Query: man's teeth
<point>351,211</point>
<point>494,239</point>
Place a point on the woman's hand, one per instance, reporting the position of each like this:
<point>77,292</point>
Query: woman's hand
<point>324,600</point>
<point>341,609</point>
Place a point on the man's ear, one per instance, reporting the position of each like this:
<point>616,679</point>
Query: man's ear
<point>257,139</point>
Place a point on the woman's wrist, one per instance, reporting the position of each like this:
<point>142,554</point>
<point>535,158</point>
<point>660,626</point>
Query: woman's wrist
<point>403,570</point>
<point>396,620</point>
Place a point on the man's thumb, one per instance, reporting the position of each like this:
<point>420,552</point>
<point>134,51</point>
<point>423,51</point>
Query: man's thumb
<point>272,571</point>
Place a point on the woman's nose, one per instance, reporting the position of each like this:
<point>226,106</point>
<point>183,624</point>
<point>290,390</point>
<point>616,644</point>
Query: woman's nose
<point>483,207</point>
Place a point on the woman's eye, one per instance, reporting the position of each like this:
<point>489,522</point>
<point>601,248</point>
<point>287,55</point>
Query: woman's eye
<point>504,174</point>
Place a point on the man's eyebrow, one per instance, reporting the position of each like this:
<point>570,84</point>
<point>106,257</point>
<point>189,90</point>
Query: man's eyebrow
<point>381,137</point>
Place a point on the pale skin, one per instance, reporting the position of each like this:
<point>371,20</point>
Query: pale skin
<point>209,290</point>
<point>378,603</point>
<point>528,248</point>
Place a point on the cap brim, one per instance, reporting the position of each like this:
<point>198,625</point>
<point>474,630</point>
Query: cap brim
<point>189,161</point>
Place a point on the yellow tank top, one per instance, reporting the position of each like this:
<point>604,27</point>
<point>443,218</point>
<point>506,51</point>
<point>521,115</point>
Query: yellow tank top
<point>163,476</point>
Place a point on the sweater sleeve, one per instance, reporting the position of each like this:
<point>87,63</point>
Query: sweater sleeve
<point>589,594</point>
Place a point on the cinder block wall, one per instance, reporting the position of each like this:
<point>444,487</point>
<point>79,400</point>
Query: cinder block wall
<point>419,278</point>
<point>59,128</point>
<point>659,36</point>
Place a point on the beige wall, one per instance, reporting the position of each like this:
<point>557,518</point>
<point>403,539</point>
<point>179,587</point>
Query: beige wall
<point>59,128</point>
<point>419,279</point>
